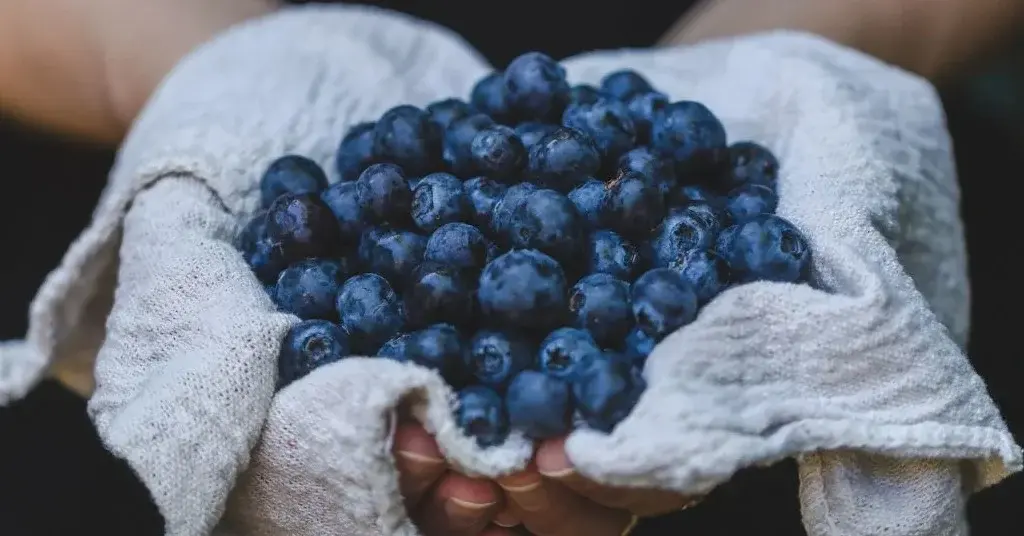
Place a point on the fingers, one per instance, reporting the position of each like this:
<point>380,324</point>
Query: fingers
<point>547,508</point>
<point>459,506</point>
<point>506,518</point>
<point>419,462</point>
<point>553,463</point>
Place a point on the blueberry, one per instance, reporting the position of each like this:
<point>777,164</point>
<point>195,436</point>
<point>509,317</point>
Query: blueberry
<point>750,163</point>
<point>346,204</point>
<point>532,132</point>
<point>443,112</point>
<point>505,208</point>
<point>404,135</point>
<point>355,152</point>
<point>637,346</point>
<point>683,231</point>
<point>632,207</point>
<point>589,198</point>
<point>440,294</point>
<point>609,253</point>
<point>291,174</point>
<point>524,288</point>
<point>751,200</point>
<point>663,301</point>
<point>495,357</point>
<point>624,84</point>
<point>644,109</point>
<point>498,153</point>
<point>302,226</point>
<point>686,195</point>
<point>606,391</point>
<point>607,122</point>
<point>260,254</point>
<point>457,244</point>
<point>656,170</point>
<point>600,304</point>
<point>308,345</point>
<point>385,193</point>
<point>563,159</point>
<point>535,86</point>
<point>585,94</point>
<point>548,222</point>
<point>392,254</point>
<point>439,199</point>
<point>692,136</point>
<point>481,414</point>
<point>539,405</point>
<point>565,350</point>
<point>705,271</point>
<point>440,348</point>
<point>308,288</point>
<point>370,310</point>
<point>483,194</point>
<point>488,96</point>
<point>457,147</point>
<point>765,248</point>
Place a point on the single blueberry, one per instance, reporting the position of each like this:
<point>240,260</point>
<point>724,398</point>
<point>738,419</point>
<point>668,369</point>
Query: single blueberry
<point>440,294</point>
<point>524,288</point>
<point>355,152</point>
<point>457,147</point>
<point>495,357</point>
<point>309,345</point>
<point>606,391</point>
<point>599,303</point>
<point>483,194</point>
<point>481,414</point>
<point>765,248</point>
<point>457,244</point>
<point>345,202</point>
<point>609,253</point>
<point>656,170</point>
<point>443,112</point>
<point>565,350</point>
<point>632,207</point>
<point>705,271</point>
<point>563,159</point>
<point>308,288</point>
<point>370,310</point>
<point>750,163</point>
<point>394,349</point>
<point>637,346</point>
<point>539,405</point>
<point>302,226</point>
<point>392,254</point>
<point>291,174</point>
<point>406,136</point>
<point>488,96</point>
<point>644,108</point>
<point>548,222</point>
<point>663,301</point>
<point>585,94</point>
<point>440,348</point>
<point>692,137</point>
<point>535,86</point>
<point>385,193</point>
<point>260,254</point>
<point>589,198</point>
<point>532,132</point>
<point>506,207</point>
<point>624,84</point>
<point>498,153</point>
<point>607,122</point>
<point>682,232</point>
<point>751,200</point>
<point>439,199</point>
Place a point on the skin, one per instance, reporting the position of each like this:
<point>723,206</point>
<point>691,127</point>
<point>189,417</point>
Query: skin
<point>76,68</point>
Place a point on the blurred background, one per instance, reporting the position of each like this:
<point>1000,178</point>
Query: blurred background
<point>50,186</point>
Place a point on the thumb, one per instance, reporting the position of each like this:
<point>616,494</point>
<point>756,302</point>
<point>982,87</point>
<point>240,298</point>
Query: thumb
<point>418,460</point>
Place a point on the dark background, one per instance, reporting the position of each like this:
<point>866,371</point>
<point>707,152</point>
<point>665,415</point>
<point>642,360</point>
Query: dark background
<point>55,477</point>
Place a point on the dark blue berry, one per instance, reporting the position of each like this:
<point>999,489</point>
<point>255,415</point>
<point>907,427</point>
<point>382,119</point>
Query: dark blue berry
<point>495,357</point>
<point>539,405</point>
<point>632,207</point>
<point>355,152</point>
<point>705,271</point>
<point>692,136</point>
<point>394,349</point>
<point>439,199</point>
<point>483,194</point>
<point>406,136</point>
<point>488,97</point>
<point>443,112</point>
<point>535,86</point>
<point>637,346</point>
<point>682,232</point>
<point>564,159</point>
<point>291,174</point>
<point>548,222</point>
<point>302,226</point>
<point>606,391</point>
<point>385,193</point>
<point>524,288</point>
<point>686,195</point>
<point>565,350</point>
<point>607,122</point>
<point>532,132</point>
<point>440,294</point>
<point>663,302</point>
<point>308,288</point>
<point>765,248</point>
<point>585,94</point>
<point>481,414</point>
<point>751,200</point>
<point>392,254</point>
<point>440,348</point>
<point>599,303</point>
<point>498,153</point>
<point>309,345</point>
<point>750,163</point>
<point>656,170</point>
<point>624,84</point>
<point>370,310</point>
<point>609,253</point>
<point>457,148</point>
<point>457,244</point>
<point>589,198</point>
<point>505,208</point>
<point>259,252</point>
<point>644,109</point>
<point>345,202</point>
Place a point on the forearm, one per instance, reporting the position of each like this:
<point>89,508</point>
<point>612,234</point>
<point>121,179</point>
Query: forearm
<point>935,38</point>
<point>86,67</point>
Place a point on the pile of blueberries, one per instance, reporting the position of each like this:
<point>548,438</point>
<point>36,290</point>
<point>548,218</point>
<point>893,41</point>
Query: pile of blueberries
<point>531,245</point>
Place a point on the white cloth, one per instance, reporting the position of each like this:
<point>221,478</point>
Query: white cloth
<point>866,383</point>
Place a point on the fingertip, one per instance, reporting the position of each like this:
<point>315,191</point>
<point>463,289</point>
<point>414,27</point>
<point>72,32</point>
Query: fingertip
<point>526,479</point>
<point>552,460</point>
<point>413,440</point>
<point>468,492</point>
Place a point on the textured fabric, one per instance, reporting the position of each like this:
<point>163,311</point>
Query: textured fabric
<point>863,378</point>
